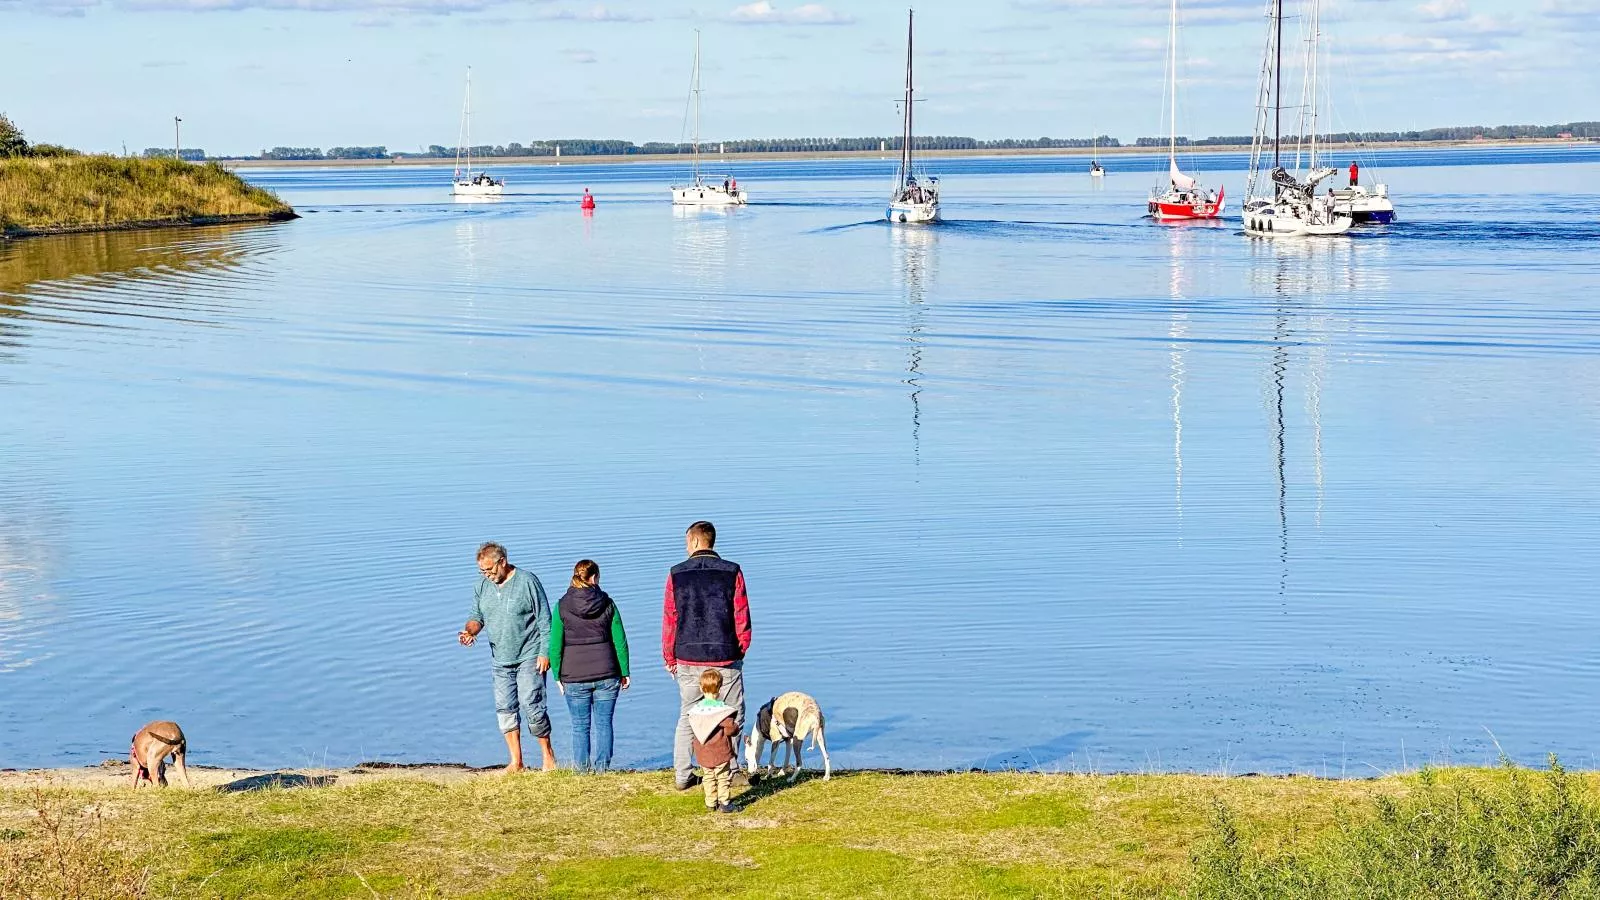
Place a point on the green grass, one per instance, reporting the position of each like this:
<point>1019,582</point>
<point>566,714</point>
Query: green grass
<point>1470,833</point>
<point>93,192</point>
<point>1455,835</point>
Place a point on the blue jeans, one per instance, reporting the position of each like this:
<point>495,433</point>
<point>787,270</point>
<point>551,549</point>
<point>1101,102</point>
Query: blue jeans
<point>519,698</point>
<point>592,701</point>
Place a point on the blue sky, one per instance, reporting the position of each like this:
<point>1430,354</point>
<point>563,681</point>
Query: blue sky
<point>249,74</point>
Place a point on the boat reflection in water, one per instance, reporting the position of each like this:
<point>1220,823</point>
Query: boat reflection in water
<point>915,252</point>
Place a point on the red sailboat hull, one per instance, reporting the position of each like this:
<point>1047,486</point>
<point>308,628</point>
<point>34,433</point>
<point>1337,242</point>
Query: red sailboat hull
<point>1161,209</point>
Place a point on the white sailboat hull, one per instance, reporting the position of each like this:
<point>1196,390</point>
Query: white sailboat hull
<point>707,195</point>
<point>913,213</point>
<point>1269,221</point>
<point>468,189</point>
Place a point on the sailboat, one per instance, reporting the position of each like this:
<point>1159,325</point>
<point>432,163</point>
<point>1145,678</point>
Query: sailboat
<point>1095,169</point>
<point>912,202</point>
<point>465,182</point>
<point>1183,197</point>
<point>700,192</point>
<point>1285,205</point>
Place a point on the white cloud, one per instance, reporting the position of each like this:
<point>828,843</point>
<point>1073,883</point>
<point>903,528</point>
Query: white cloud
<point>1579,15</point>
<point>580,56</point>
<point>422,7</point>
<point>595,13</point>
<point>1444,10</point>
<point>762,12</point>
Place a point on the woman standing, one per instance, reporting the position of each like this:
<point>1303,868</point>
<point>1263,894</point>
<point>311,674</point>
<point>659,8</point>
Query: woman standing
<point>589,651</point>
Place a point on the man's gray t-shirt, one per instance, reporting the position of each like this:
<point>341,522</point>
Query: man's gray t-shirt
<point>515,617</point>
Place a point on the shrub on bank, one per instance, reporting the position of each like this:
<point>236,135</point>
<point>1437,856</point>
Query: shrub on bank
<point>68,192</point>
<point>1514,834</point>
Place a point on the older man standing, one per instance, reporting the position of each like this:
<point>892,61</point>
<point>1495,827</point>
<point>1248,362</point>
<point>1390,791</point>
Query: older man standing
<point>705,624</point>
<point>511,605</point>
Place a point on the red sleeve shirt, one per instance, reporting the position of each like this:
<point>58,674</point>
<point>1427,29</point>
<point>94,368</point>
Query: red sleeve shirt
<point>669,627</point>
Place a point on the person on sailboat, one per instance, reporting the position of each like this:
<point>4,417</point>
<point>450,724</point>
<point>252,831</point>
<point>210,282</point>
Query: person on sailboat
<point>733,185</point>
<point>1355,174</point>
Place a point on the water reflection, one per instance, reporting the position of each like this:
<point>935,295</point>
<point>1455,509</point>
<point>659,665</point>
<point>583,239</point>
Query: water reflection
<point>157,276</point>
<point>1178,279</point>
<point>32,535</point>
<point>1354,266</point>
<point>700,242</point>
<point>915,250</point>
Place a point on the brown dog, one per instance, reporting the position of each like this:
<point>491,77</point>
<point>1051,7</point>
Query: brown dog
<point>151,746</point>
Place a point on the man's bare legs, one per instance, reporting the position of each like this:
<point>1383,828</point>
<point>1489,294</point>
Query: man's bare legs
<point>514,750</point>
<point>514,747</point>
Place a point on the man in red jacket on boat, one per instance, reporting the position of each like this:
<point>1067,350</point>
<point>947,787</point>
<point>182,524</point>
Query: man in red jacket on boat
<point>1355,174</point>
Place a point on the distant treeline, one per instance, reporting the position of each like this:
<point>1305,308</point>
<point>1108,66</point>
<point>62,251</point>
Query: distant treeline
<point>602,147</point>
<point>1459,133</point>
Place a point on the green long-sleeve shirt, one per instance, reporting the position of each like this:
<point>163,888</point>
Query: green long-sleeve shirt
<point>619,641</point>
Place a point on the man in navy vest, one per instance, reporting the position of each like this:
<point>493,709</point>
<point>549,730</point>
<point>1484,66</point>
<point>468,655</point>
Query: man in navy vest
<point>705,624</point>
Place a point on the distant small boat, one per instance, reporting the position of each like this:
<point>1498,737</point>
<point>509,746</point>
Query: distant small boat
<point>1095,169</point>
<point>1183,197</point>
<point>701,192</point>
<point>913,202</point>
<point>465,182</point>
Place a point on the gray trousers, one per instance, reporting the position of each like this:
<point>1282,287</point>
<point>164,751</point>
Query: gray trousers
<point>732,693</point>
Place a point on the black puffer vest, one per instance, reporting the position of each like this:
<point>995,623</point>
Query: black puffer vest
<point>702,590</point>
<point>587,653</point>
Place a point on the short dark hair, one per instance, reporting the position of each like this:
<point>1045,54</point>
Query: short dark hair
<point>705,531</point>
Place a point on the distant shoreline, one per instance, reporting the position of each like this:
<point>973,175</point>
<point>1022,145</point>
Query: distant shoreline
<point>734,158</point>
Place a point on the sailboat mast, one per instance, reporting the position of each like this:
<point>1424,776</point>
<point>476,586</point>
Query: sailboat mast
<point>697,106</point>
<point>1277,87</point>
<point>464,133</point>
<point>905,139</point>
<point>1316,35</point>
<point>1172,87</point>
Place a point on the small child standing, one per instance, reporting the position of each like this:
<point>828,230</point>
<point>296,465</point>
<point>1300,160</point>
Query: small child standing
<point>714,728</point>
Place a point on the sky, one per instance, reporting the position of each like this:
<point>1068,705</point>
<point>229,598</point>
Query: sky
<point>246,75</point>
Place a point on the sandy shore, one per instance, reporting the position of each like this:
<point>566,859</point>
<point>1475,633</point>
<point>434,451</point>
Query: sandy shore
<point>713,159</point>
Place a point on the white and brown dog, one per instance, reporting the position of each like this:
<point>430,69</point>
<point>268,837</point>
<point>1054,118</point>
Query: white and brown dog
<point>152,744</point>
<point>787,719</point>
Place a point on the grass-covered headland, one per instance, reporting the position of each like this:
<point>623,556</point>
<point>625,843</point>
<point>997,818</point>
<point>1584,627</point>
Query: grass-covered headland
<point>1449,833</point>
<point>56,194</point>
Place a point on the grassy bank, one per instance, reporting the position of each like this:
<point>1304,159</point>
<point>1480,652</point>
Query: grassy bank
<point>1452,833</point>
<point>93,193</point>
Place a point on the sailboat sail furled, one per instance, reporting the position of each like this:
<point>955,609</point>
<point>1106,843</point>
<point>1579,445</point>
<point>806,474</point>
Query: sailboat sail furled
<point>1182,197</point>
<point>914,201</point>
<point>701,192</point>
<point>465,182</point>
<point>1283,204</point>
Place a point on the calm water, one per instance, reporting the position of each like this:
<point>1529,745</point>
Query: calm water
<point>1046,486</point>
